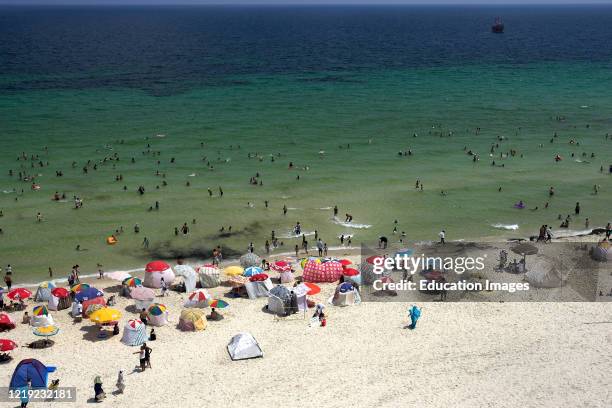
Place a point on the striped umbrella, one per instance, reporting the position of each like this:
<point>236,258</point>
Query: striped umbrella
<point>78,287</point>
<point>157,309</point>
<point>46,331</point>
<point>40,311</point>
<point>218,304</point>
<point>132,282</point>
<point>252,270</point>
<point>198,296</point>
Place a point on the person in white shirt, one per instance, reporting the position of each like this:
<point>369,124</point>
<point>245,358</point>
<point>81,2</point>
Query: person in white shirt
<point>442,236</point>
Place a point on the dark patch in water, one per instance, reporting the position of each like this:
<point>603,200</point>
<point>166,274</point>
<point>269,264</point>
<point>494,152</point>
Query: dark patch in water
<point>330,78</point>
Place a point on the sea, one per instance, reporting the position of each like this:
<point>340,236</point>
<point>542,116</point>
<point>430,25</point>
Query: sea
<point>303,107</point>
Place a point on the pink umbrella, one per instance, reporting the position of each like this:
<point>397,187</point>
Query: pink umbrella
<point>142,293</point>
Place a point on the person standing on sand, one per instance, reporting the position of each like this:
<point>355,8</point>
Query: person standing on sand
<point>414,313</point>
<point>297,250</point>
<point>442,236</point>
<point>164,287</point>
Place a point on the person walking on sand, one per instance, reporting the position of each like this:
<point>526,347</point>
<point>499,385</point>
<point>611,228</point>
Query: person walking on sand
<point>142,358</point>
<point>414,313</point>
<point>442,236</point>
<point>163,286</point>
<point>120,383</point>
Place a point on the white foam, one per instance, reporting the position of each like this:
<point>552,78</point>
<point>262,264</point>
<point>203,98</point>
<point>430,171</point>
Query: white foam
<point>511,227</point>
<point>325,208</point>
<point>290,234</point>
<point>335,220</point>
<point>567,233</point>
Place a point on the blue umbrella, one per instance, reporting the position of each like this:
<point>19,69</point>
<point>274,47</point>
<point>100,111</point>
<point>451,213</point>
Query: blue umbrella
<point>88,294</point>
<point>252,270</point>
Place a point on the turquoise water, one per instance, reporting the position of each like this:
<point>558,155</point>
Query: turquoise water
<point>371,104</point>
<point>377,113</point>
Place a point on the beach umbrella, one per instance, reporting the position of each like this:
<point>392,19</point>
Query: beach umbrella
<point>46,331</point>
<point>373,258</point>
<point>313,289</point>
<point>199,296</point>
<point>92,308</point>
<point>78,287</point>
<point>345,262</point>
<point>157,309</point>
<point>118,275</point>
<point>218,304</point>
<point>157,266</point>
<point>60,293</point>
<point>105,315</point>
<point>88,294</point>
<point>132,282</point>
<point>249,259</point>
<point>233,271</point>
<point>40,311</point>
<point>7,345</point>
<point>281,266</point>
<point>524,248</point>
<point>350,272</point>
<point>142,293</point>
<point>260,277</point>
<point>19,293</point>
<point>252,270</point>
<point>6,320</point>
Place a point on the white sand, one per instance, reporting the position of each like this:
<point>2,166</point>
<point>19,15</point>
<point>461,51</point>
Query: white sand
<point>460,355</point>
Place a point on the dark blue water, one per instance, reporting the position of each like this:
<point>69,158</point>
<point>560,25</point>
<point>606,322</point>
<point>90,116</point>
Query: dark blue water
<point>165,50</point>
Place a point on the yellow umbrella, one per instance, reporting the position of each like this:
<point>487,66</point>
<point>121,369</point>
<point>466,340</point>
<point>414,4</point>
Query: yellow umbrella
<point>105,315</point>
<point>233,271</point>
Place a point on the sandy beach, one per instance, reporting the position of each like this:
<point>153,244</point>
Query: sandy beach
<point>465,354</point>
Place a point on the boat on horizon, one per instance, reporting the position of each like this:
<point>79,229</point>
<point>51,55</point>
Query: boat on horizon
<point>498,26</point>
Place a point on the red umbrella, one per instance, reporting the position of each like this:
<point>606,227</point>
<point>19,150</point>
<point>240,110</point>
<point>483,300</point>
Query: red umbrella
<point>60,292</point>
<point>5,320</point>
<point>157,266</point>
<point>281,266</point>
<point>312,288</point>
<point>373,259</point>
<point>7,345</point>
<point>345,262</point>
<point>19,293</point>
<point>260,277</point>
<point>350,272</point>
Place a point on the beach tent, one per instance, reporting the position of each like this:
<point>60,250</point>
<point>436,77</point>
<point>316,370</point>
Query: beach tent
<point>544,273</point>
<point>189,276</point>
<point>345,295</point>
<point>158,314</point>
<point>134,333</point>
<point>43,293</point>
<point>59,300</point>
<point>209,276</point>
<point>279,300</point>
<point>244,346</point>
<point>352,275</point>
<point>192,320</point>
<point>6,322</point>
<point>258,286</point>
<point>249,259</point>
<point>32,371</point>
<point>41,320</point>
<point>322,272</point>
<point>286,277</point>
<point>301,292</point>
<point>95,301</point>
<point>143,297</point>
<point>155,271</point>
<point>602,252</point>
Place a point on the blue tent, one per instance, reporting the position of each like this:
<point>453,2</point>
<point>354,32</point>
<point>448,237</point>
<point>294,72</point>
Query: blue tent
<point>88,294</point>
<point>30,370</point>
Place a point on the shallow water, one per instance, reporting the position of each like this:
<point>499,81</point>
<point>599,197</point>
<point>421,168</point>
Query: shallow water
<point>254,87</point>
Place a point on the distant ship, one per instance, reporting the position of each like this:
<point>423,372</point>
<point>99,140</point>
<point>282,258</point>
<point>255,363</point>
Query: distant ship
<point>498,26</point>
